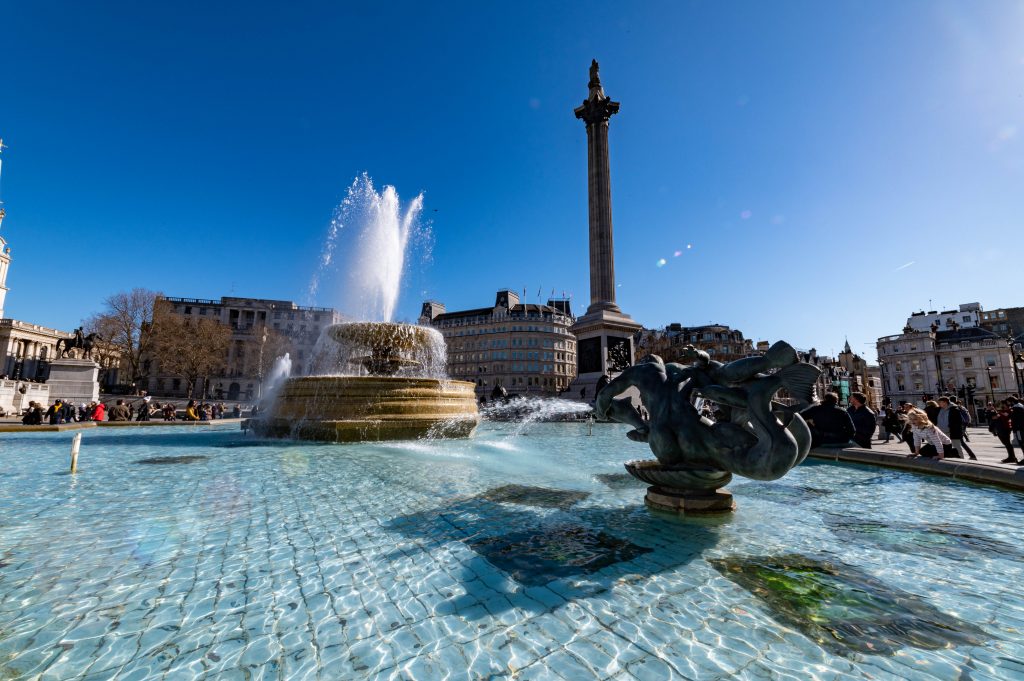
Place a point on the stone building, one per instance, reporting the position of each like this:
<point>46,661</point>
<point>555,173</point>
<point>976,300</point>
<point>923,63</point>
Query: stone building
<point>1005,321</point>
<point>524,348</point>
<point>920,365</point>
<point>969,315</point>
<point>250,320</point>
<point>722,343</point>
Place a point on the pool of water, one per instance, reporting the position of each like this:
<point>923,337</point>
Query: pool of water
<point>176,554</point>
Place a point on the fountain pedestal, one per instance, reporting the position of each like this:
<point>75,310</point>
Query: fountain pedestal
<point>689,502</point>
<point>683,489</point>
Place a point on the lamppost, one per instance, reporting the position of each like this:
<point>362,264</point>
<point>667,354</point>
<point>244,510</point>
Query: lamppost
<point>1018,366</point>
<point>991,392</point>
<point>259,367</point>
<point>885,383</point>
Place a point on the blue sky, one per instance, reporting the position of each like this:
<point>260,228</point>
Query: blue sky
<point>806,151</point>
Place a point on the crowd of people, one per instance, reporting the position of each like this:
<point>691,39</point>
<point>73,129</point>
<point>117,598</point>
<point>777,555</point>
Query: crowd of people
<point>64,411</point>
<point>939,430</point>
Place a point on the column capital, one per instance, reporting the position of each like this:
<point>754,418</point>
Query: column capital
<point>596,110</point>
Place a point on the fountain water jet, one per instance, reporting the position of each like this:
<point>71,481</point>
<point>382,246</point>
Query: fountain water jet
<point>373,380</point>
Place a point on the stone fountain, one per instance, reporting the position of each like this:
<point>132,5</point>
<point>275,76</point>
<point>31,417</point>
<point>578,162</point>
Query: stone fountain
<point>390,401</point>
<point>375,380</point>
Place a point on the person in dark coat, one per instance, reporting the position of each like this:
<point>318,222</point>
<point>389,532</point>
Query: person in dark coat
<point>1017,419</point>
<point>829,424</point>
<point>951,422</point>
<point>863,420</point>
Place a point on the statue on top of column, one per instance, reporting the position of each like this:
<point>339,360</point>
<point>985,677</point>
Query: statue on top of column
<point>596,91</point>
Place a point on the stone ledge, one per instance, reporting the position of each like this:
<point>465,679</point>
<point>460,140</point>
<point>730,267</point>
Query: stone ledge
<point>144,424</point>
<point>17,427</point>
<point>986,473</point>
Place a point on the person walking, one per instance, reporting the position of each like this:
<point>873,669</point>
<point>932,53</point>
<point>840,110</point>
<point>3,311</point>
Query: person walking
<point>892,425</point>
<point>863,419</point>
<point>1001,427</point>
<point>950,421</point>
<point>1017,421</point>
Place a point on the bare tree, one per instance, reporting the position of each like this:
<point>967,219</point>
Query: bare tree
<point>190,348</point>
<point>123,323</point>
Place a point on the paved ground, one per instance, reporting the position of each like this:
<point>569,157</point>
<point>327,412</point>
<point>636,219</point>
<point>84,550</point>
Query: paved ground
<point>985,446</point>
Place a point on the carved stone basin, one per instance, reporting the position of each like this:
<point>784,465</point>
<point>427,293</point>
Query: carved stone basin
<point>367,408</point>
<point>680,478</point>
<point>382,405</point>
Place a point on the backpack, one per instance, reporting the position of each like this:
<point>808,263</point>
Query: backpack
<point>965,416</point>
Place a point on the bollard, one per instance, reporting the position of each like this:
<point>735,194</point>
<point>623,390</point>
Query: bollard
<point>590,425</point>
<point>75,443</point>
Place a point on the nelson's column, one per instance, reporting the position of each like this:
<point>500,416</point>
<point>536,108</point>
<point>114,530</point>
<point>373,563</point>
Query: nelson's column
<point>604,334</point>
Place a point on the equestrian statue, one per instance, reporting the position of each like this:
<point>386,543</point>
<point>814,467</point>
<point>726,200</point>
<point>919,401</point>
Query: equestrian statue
<point>78,340</point>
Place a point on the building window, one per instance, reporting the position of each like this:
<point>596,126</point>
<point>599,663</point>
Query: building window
<point>990,360</point>
<point>188,309</point>
<point>947,363</point>
<point>915,365</point>
<point>968,362</point>
<point>993,381</point>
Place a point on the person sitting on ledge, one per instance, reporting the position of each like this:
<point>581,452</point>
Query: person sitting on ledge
<point>99,412</point>
<point>929,441</point>
<point>863,420</point>
<point>34,415</point>
<point>190,411</point>
<point>120,412</point>
<point>830,424</point>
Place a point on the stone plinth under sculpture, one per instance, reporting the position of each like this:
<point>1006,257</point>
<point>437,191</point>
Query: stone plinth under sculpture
<point>389,402</point>
<point>74,380</point>
<point>756,437</point>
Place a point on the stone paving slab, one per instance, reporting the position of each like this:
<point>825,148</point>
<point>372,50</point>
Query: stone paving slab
<point>895,454</point>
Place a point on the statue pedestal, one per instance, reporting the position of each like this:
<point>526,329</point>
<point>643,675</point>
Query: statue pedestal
<point>74,380</point>
<point>689,502</point>
<point>681,489</point>
<point>601,337</point>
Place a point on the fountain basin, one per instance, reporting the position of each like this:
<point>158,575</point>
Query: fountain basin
<point>370,408</point>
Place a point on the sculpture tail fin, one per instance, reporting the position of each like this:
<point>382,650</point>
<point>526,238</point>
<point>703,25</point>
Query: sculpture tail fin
<point>799,380</point>
<point>781,354</point>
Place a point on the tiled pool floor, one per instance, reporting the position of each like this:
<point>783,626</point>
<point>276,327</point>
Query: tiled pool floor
<point>177,555</point>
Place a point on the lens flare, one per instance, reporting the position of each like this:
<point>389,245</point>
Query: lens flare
<point>661,262</point>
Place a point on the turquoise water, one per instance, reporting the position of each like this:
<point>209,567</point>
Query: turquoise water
<point>176,554</point>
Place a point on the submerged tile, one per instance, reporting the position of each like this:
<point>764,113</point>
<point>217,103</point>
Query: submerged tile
<point>844,609</point>
<point>542,497</point>
<point>538,557</point>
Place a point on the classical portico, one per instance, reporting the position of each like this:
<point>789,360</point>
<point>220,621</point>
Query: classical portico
<point>604,334</point>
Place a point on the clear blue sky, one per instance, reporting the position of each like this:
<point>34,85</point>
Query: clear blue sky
<point>807,151</point>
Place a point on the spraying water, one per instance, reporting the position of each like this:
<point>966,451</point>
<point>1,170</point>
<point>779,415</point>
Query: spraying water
<point>530,410</point>
<point>281,369</point>
<point>365,251</point>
